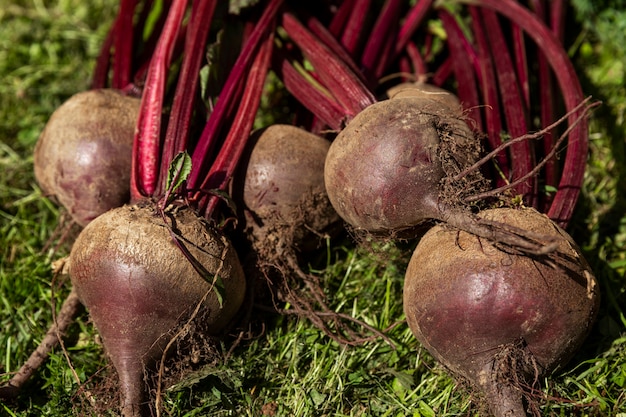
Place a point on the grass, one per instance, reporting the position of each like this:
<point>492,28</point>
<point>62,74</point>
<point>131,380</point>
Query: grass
<point>47,52</point>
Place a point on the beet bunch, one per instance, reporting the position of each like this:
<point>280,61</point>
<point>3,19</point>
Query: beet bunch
<point>451,142</point>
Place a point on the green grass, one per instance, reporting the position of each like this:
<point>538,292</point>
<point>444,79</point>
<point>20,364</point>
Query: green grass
<point>47,51</point>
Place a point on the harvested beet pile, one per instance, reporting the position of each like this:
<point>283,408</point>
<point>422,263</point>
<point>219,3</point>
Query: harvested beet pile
<point>477,157</point>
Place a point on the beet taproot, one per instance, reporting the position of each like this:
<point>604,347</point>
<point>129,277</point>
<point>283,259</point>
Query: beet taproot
<point>495,317</point>
<point>139,286</point>
<point>385,170</point>
<point>83,156</point>
<point>283,190</point>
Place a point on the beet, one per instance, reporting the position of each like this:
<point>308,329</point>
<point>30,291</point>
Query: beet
<point>421,89</point>
<point>496,317</point>
<point>283,187</point>
<point>83,156</point>
<point>280,188</point>
<point>385,170</point>
<point>140,287</point>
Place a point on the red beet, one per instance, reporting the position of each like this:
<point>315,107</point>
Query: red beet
<point>288,214</point>
<point>385,170</point>
<point>283,188</point>
<point>421,89</point>
<point>83,156</point>
<point>140,288</point>
<point>494,316</point>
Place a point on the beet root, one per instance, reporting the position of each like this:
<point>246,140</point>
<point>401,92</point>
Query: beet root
<point>83,156</point>
<point>283,190</point>
<point>385,171</point>
<point>421,89</point>
<point>139,287</point>
<point>497,318</point>
<point>288,214</point>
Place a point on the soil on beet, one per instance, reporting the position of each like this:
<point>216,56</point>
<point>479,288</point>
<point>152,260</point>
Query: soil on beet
<point>278,246</point>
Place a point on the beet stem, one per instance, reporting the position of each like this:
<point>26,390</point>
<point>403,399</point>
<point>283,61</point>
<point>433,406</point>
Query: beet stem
<point>512,104</point>
<point>381,33</point>
<point>202,152</point>
<point>352,33</point>
<point>331,42</point>
<point>336,75</point>
<point>101,70</point>
<point>526,136</point>
<point>147,141</point>
<point>545,160</point>
<point>548,102</point>
<point>521,63</point>
<point>322,105</point>
<point>124,34</point>
<point>462,61</point>
<point>341,17</point>
<point>565,199</point>
<point>223,168</point>
<point>489,88</point>
<point>176,136</point>
<point>420,69</point>
<point>411,22</point>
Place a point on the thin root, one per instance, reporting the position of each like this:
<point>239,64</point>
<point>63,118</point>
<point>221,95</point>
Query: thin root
<point>529,136</point>
<point>54,336</point>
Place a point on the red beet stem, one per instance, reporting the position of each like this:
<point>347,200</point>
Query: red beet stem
<point>384,30</point>
<point>411,22</point>
<point>147,142</point>
<point>144,63</point>
<point>463,66</point>
<point>546,158</point>
<point>177,133</point>
<point>222,169</point>
<point>203,151</point>
<point>574,167</point>
<point>489,89</point>
<point>101,70</point>
<point>352,34</point>
<point>547,110</point>
<point>443,72</point>
<point>420,69</point>
<point>512,102</point>
<point>521,63</point>
<point>557,19</point>
<point>317,101</point>
<point>148,46</point>
<point>325,36</point>
<point>340,17</point>
<point>334,73</point>
<point>124,34</point>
